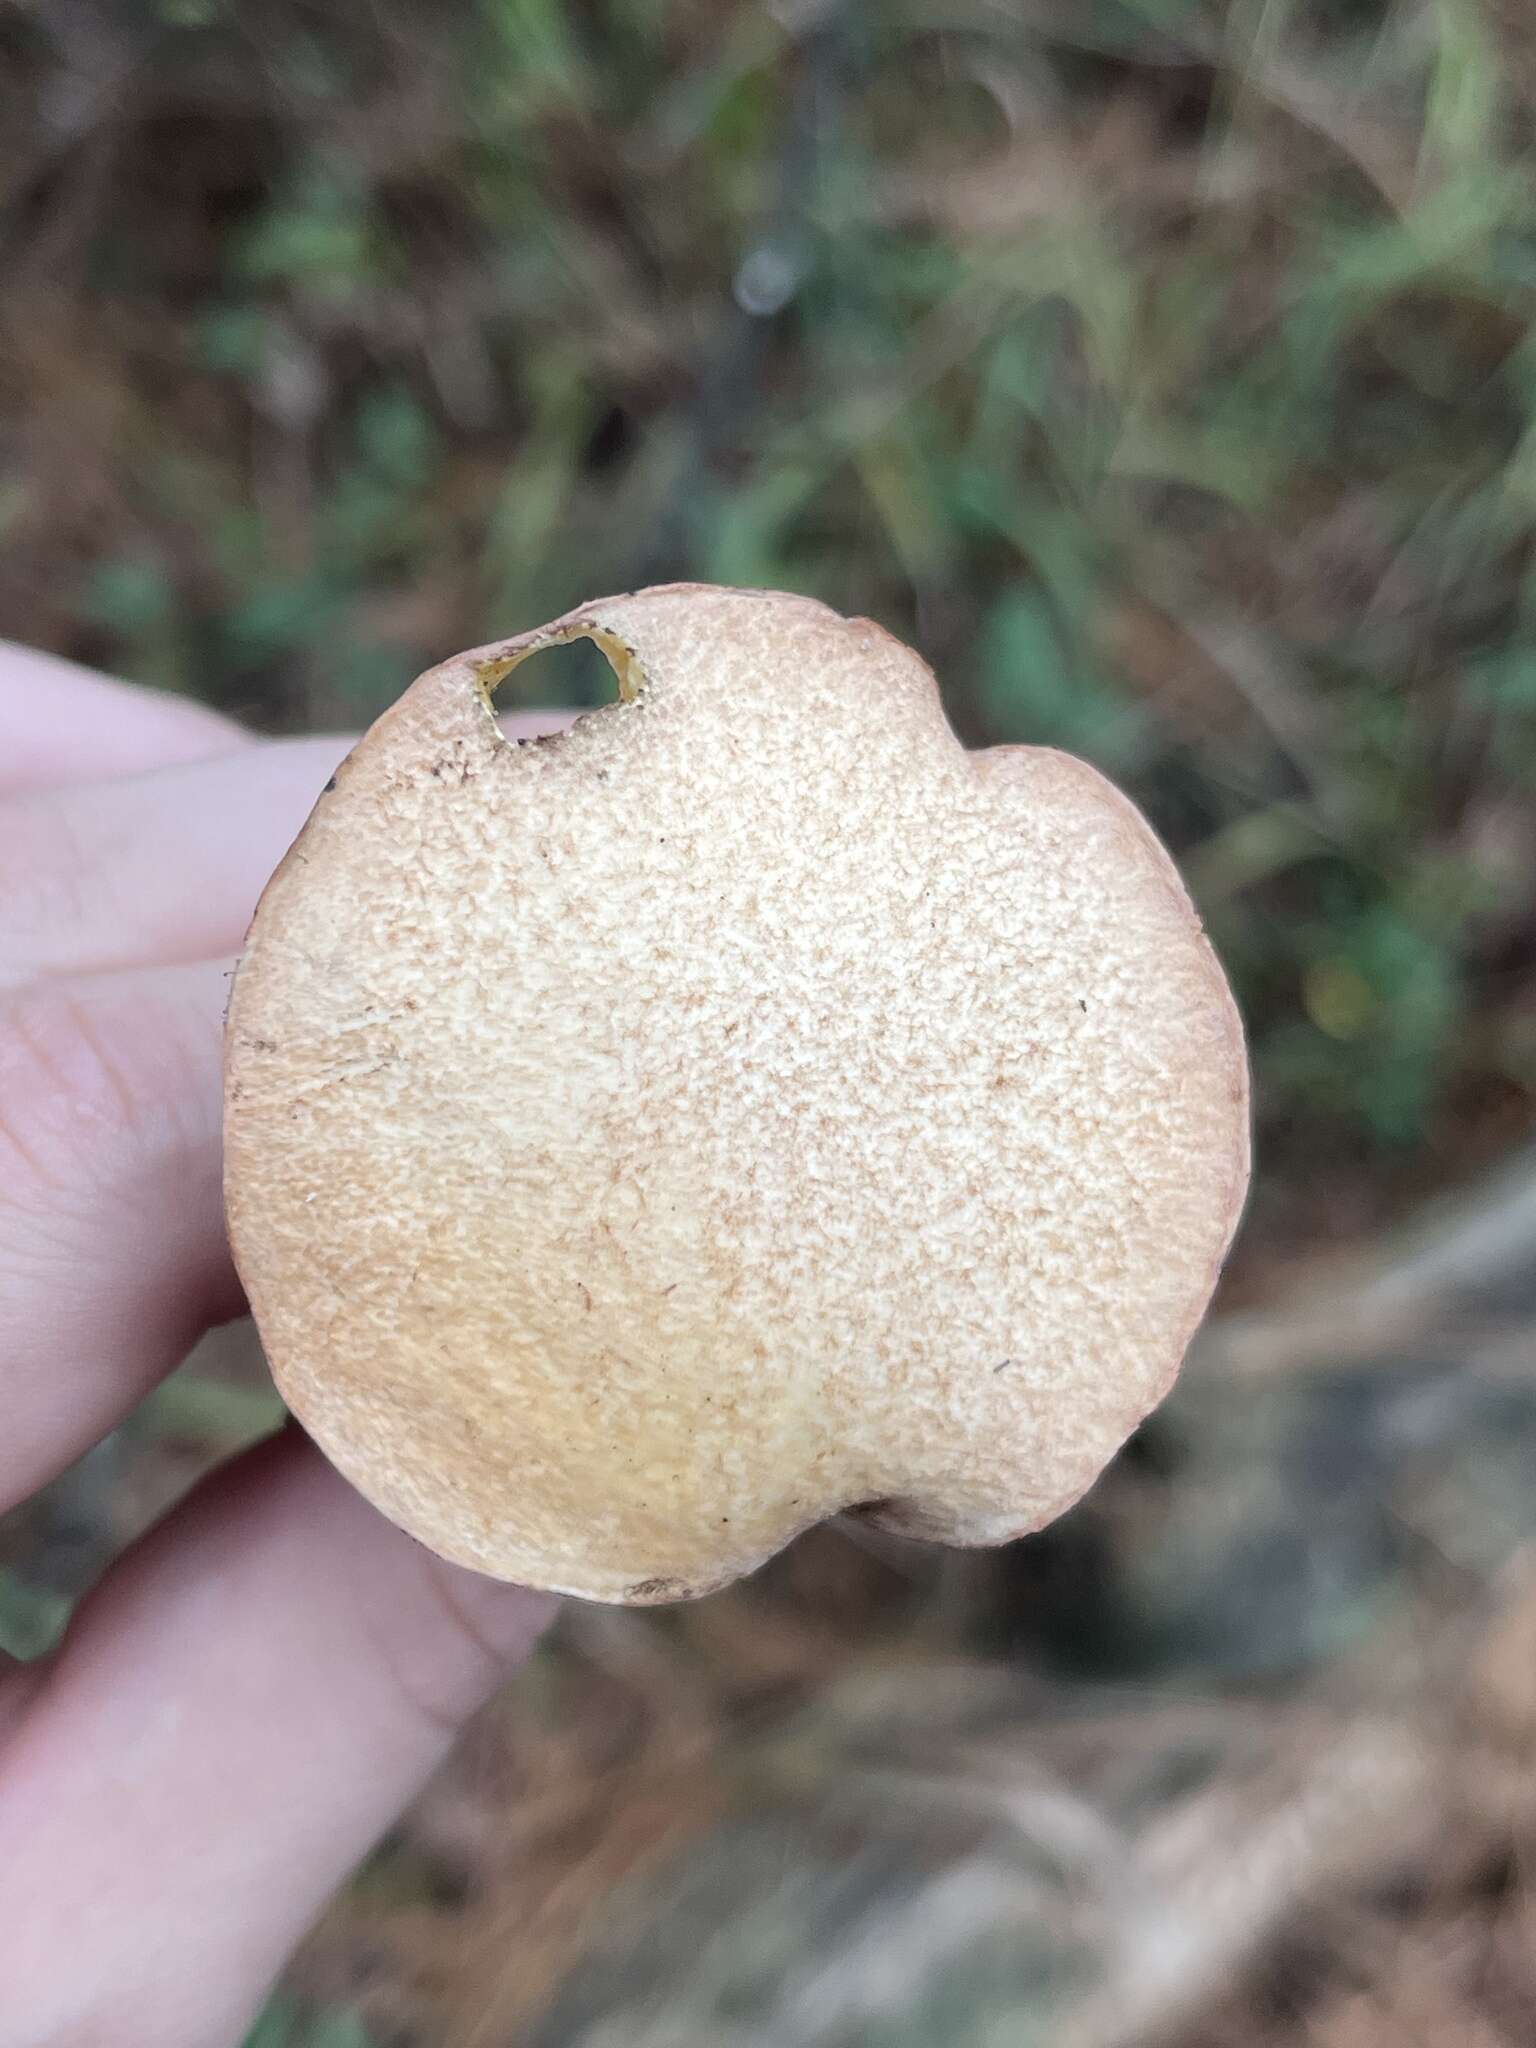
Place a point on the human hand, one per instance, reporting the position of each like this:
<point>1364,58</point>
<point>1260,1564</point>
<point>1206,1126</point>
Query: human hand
<point>256,1688</point>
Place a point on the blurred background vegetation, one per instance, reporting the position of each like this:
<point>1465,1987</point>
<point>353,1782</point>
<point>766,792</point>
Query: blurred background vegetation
<point>1166,371</point>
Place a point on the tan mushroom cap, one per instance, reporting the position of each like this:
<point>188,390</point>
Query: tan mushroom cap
<point>646,1142</point>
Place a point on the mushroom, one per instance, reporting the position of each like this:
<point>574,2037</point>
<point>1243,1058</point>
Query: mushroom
<point>744,1106</point>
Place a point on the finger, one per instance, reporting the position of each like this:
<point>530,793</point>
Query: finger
<point>112,1251</point>
<point>60,723</point>
<point>236,1715</point>
<point>152,868</point>
<point>162,867</point>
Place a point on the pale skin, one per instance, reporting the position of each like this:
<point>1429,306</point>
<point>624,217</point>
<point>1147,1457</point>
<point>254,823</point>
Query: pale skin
<point>259,1685</point>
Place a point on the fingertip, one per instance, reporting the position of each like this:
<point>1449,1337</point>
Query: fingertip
<point>62,723</point>
<point>236,1714</point>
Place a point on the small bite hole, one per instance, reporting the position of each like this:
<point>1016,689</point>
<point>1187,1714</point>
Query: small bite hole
<point>585,669</point>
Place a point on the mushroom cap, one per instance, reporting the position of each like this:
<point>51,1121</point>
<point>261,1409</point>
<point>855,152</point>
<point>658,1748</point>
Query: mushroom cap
<point>645,1142</point>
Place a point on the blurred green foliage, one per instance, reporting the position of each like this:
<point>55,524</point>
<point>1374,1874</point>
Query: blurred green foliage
<point>31,1617</point>
<point>286,2024</point>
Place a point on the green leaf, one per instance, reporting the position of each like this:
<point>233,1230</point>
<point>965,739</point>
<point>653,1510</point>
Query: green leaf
<point>215,1413</point>
<point>287,2024</point>
<point>395,437</point>
<point>232,339</point>
<point>275,2027</point>
<point>133,595</point>
<point>1041,689</point>
<point>1461,110</point>
<point>32,1619</point>
<point>318,233</point>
